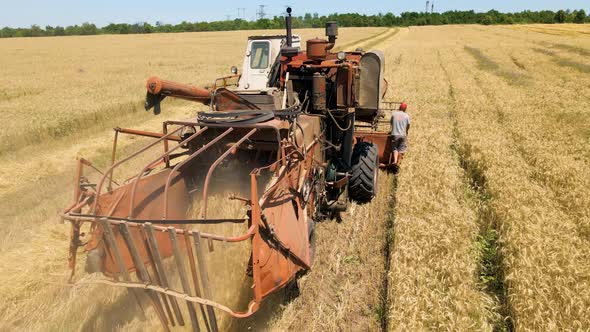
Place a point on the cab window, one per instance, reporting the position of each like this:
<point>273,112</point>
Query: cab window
<point>259,54</point>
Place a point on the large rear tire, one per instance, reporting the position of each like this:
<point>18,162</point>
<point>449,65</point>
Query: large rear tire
<point>365,171</point>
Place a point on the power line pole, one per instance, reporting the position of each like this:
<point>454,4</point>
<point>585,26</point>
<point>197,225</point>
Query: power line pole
<point>243,11</point>
<point>432,8</point>
<point>427,3</point>
<point>261,14</point>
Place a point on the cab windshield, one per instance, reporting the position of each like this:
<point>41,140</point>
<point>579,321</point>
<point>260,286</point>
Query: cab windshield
<point>259,55</point>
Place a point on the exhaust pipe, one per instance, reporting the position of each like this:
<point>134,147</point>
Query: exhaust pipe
<point>331,33</point>
<point>288,50</point>
<point>289,25</point>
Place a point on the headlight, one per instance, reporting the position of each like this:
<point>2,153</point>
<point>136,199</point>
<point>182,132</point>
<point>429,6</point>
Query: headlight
<point>341,56</point>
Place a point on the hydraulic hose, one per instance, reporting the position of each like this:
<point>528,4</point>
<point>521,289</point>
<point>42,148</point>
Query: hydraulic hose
<point>249,116</point>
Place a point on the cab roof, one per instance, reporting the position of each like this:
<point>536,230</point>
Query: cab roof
<point>270,37</point>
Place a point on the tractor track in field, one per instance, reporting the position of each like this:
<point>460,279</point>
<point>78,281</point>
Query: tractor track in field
<point>543,179</point>
<point>371,41</point>
<point>491,267</point>
<point>84,124</point>
<point>389,241</point>
<point>388,246</point>
<point>543,47</point>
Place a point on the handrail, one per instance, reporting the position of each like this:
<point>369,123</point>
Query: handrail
<point>239,238</point>
<point>234,125</point>
<point>175,169</point>
<point>214,166</point>
<point>133,155</point>
<point>165,155</point>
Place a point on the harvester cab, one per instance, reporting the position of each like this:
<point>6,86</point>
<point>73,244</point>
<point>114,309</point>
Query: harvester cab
<point>261,53</point>
<point>296,129</point>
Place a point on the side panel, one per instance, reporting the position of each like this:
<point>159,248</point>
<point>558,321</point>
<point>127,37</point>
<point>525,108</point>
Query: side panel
<point>148,204</point>
<point>343,88</point>
<point>371,87</point>
<point>383,141</point>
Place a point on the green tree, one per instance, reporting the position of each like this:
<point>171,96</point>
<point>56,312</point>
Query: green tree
<point>36,31</point>
<point>7,32</point>
<point>263,23</point>
<point>49,30</point>
<point>560,16</point>
<point>59,31</point>
<point>73,30</point>
<point>88,29</point>
<point>314,20</point>
<point>580,16</point>
<point>487,20</point>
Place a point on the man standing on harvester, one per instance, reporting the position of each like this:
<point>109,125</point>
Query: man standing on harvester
<point>400,126</point>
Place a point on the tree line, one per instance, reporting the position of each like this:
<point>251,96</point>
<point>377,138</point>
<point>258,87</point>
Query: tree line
<point>311,21</point>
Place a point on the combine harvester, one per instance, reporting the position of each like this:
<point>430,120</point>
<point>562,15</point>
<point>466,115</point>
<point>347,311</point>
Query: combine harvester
<point>302,125</point>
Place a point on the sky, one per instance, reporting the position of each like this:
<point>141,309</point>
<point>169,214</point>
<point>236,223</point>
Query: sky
<point>24,13</point>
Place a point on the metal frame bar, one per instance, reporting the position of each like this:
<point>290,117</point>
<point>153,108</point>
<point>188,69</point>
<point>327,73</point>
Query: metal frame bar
<point>214,166</point>
<point>113,157</point>
<point>233,125</point>
<point>163,156</point>
<point>195,277</point>
<point>150,255</point>
<point>146,134</point>
<point>133,155</point>
<point>183,279</point>
<point>142,273</point>
<point>191,157</point>
<point>197,262</point>
<point>204,279</point>
<point>117,221</point>
<point>114,250</point>
<point>200,273</point>
<point>149,231</point>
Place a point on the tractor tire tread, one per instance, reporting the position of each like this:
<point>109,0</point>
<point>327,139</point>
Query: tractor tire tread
<point>362,186</point>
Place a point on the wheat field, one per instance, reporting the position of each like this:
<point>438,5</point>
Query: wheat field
<point>486,227</point>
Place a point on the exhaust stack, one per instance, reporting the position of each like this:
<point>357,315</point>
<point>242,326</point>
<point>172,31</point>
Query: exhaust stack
<point>289,24</point>
<point>331,33</point>
<point>288,50</point>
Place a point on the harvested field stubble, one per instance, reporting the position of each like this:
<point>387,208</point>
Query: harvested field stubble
<point>343,290</point>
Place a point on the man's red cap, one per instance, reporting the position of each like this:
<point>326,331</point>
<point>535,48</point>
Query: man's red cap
<point>403,106</point>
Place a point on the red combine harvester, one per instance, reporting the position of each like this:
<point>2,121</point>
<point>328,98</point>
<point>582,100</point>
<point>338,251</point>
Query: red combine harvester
<point>302,125</point>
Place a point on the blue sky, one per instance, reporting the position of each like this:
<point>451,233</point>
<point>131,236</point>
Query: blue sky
<point>23,13</point>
